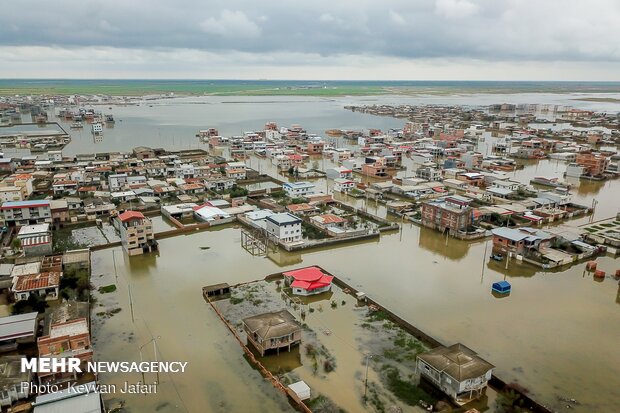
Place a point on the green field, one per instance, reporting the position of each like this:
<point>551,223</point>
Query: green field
<point>110,87</point>
<point>126,88</point>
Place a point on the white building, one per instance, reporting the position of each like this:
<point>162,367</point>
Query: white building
<point>212,215</point>
<point>574,170</point>
<point>117,182</point>
<point>20,213</point>
<point>343,185</point>
<point>285,227</point>
<point>184,171</point>
<point>35,239</point>
<point>339,172</point>
<point>97,128</point>
<point>298,189</point>
<point>54,156</point>
<point>10,193</point>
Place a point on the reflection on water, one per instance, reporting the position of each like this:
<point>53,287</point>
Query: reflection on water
<point>541,336</point>
<point>548,319</point>
<point>433,241</point>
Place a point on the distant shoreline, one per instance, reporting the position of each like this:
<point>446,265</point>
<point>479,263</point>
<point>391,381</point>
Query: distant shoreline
<point>601,100</point>
<point>138,88</point>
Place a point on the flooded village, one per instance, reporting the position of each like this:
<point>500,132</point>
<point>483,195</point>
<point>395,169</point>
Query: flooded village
<point>411,257</point>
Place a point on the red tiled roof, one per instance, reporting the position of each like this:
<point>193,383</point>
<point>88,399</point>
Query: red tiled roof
<point>300,207</point>
<point>129,215</point>
<point>37,281</point>
<point>331,219</point>
<point>309,278</point>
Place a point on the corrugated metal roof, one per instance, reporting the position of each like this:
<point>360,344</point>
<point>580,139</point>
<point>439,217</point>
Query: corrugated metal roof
<point>25,204</point>
<point>17,326</point>
<point>70,401</point>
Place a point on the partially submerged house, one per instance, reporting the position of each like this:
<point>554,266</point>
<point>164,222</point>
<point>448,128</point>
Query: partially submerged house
<point>272,331</point>
<point>521,240</point>
<point>136,232</point>
<point>308,281</point>
<point>457,371</point>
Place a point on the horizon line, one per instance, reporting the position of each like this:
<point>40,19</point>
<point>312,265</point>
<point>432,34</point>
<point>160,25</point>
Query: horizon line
<point>310,80</point>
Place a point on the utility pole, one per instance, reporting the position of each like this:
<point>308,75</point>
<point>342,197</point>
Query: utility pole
<point>368,357</point>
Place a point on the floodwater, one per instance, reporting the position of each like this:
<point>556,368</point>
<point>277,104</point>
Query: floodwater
<point>556,334</point>
<point>173,123</point>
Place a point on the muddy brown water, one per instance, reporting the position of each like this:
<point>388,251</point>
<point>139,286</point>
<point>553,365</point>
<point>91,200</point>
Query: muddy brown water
<point>554,334</point>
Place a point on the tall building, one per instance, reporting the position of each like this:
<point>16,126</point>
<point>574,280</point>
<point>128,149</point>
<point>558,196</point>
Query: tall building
<point>136,233</point>
<point>452,214</point>
<point>594,164</point>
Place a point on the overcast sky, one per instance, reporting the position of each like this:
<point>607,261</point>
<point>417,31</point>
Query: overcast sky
<point>317,39</point>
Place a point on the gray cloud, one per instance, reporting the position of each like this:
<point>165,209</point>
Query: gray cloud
<point>486,30</point>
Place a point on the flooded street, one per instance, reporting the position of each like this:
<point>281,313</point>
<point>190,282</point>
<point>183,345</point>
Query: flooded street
<point>556,334</point>
<point>552,323</point>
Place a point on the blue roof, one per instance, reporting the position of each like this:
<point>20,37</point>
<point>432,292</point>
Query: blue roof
<point>502,286</point>
<point>20,204</point>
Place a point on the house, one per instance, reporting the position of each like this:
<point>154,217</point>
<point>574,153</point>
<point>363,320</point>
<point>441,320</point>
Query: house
<point>521,240</point>
<point>375,169</point>
<point>457,371</point>
<point>308,281</point>
<point>339,172</point>
<point>17,329</point>
<point>35,239</point>
<point>428,173</point>
<point>143,152</point>
<point>179,211</point>
<point>60,211</point>
<point>272,331</point>
<point>18,213</point>
<point>451,214</point>
<point>315,148</point>
<point>236,173</point>
<point>10,193</point>
<point>498,192</point>
<point>298,189</point>
<point>117,182</point>
<point>64,185</point>
<point>12,379</point>
<point>472,178</point>
<point>594,164</point>
<point>341,155</point>
<point>212,215</point>
<point>327,221</point>
<point>98,207</point>
<point>67,339</point>
<point>285,227</point>
<point>84,398</point>
<point>258,218</point>
<point>343,185</point>
<point>575,170</point>
<point>302,209</point>
<point>44,284</point>
<point>136,232</point>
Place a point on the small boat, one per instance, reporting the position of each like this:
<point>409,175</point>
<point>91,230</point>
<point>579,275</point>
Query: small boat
<point>497,257</point>
<point>76,125</point>
<point>501,287</point>
<point>109,118</point>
